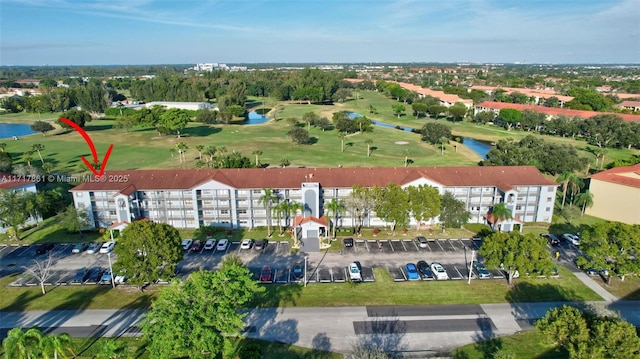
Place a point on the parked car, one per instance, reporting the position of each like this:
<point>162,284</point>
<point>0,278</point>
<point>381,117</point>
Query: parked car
<point>44,248</point>
<point>120,278</point>
<point>94,247</point>
<point>222,244</point>
<point>80,276</point>
<point>80,247</point>
<point>186,244</point>
<point>439,272</point>
<point>94,274</point>
<point>266,275</point>
<point>571,238</point>
<point>210,244</point>
<point>591,271</point>
<point>425,269</point>
<point>106,277</point>
<point>355,271</point>
<point>422,242</point>
<point>246,244</point>
<point>297,271</point>
<point>347,242</point>
<point>412,271</point>
<point>107,247</point>
<point>260,244</point>
<point>481,270</point>
<point>197,246</point>
<point>552,239</point>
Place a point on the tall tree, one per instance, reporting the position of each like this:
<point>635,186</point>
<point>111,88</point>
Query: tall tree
<point>214,301</point>
<point>392,205</point>
<point>257,153</point>
<point>174,119</point>
<point>42,270</point>
<point>513,251</point>
<point>584,200</point>
<point>42,127</point>
<point>21,345</point>
<point>14,209</point>
<point>74,220</point>
<point>79,117</point>
<point>200,148</point>
<point>398,109</point>
<point>334,208</point>
<point>342,136</point>
<point>38,147</point>
<point>148,251</point>
<point>424,203</point>
<point>432,132</point>
<point>360,203</point>
<point>453,213</point>
<point>564,178</point>
<point>368,142</point>
<point>182,148</point>
<point>58,344</point>
<point>405,154</point>
<point>268,197</point>
<point>500,213</point>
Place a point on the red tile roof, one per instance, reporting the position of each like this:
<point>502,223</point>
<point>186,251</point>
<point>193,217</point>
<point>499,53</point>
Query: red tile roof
<point>450,98</point>
<point>8,181</point>
<point>257,178</point>
<point>300,220</point>
<point>552,111</point>
<point>628,175</point>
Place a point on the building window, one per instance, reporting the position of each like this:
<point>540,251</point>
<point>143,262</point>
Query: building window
<point>518,208</point>
<point>79,194</point>
<point>551,189</point>
<point>188,202</point>
<point>242,211</point>
<point>224,211</point>
<point>257,191</point>
<point>208,202</point>
<point>548,209</point>
<point>112,213</point>
<point>548,199</point>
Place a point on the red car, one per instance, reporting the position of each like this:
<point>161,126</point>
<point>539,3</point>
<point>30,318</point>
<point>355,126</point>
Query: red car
<point>266,275</point>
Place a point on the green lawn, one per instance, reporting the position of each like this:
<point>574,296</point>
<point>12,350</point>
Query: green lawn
<point>524,345</point>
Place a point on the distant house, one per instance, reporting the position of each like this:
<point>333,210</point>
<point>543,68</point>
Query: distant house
<point>616,194</point>
<point>183,105</point>
<point>539,96</point>
<point>446,99</point>
<point>550,112</point>
<point>10,182</point>
<point>631,105</point>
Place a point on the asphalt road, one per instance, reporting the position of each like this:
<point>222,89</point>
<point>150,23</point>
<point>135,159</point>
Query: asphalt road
<point>395,329</point>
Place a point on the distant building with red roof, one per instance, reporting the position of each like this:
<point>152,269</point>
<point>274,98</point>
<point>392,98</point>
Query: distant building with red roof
<point>549,111</point>
<point>616,194</point>
<point>231,197</point>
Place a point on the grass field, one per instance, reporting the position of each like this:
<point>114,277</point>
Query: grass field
<point>524,345</point>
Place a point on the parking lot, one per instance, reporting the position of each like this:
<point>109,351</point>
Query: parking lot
<point>389,254</point>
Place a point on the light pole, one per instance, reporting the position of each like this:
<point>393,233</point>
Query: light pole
<point>470,266</point>
<point>305,270</point>
<point>113,283</point>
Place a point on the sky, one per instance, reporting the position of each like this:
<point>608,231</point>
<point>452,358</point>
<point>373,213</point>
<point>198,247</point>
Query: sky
<point>118,32</point>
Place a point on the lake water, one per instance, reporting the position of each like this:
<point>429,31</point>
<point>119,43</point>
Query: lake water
<point>254,118</point>
<point>8,130</point>
<point>479,147</point>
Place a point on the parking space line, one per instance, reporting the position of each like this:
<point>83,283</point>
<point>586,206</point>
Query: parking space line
<point>451,244</point>
<point>439,245</point>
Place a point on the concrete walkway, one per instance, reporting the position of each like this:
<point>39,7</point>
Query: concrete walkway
<point>589,282</point>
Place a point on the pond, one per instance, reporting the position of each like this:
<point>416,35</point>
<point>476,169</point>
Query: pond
<point>8,130</point>
<point>479,147</point>
<point>257,117</point>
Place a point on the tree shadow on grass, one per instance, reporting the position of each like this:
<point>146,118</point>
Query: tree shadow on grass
<point>277,295</point>
<point>199,131</point>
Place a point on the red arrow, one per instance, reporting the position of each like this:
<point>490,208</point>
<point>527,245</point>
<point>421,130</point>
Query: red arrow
<point>84,134</point>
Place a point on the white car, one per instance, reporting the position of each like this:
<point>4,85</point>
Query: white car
<point>355,272</point>
<point>209,244</point>
<point>186,244</point>
<point>222,245</point>
<point>107,247</point>
<point>438,271</point>
<point>94,247</point>
<point>574,239</point>
<point>246,244</point>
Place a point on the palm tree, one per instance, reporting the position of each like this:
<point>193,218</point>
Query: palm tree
<point>443,140</point>
<point>28,157</point>
<point>284,162</point>
<point>278,210</point>
<point>47,168</point>
<point>210,152</point>
<point>257,153</point>
<point>368,141</point>
<point>334,208</point>
<point>575,185</point>
<point>199,148</point>
<point>59,344</point>
<point>182,148</point>
<point>2,146</point>
<point>110,350</point>
<point>38,147</point>
<point>500,212</point>
<point>406,154</point>
<point>564,179</point>
<point>172,151</point>
<point>341,135</point>
<point>266,200</point>
<point>23,345</point>
<point>584,199</point>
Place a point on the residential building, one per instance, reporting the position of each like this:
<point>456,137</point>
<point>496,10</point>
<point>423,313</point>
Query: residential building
<point>231,197</point>
<point>183,105</point>
<point>16,183</point>
<point>538,96</point>
<point>446,99</point>
<point>631,105</point>
<point>550,112</point>
<point>616,194</point>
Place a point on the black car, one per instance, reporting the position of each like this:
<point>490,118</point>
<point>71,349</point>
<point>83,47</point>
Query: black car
<point>197,246</point>
<point>44,248</point>
<point>81,276</point>
<point>424,269</point>
<point>95,274</point>
<point>348,242</point>
<point>260,244</point>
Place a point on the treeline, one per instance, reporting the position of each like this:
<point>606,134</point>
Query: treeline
<point>8,74</point>
<point>605,130</point>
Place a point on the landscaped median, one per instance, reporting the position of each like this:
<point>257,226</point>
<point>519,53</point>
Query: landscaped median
<point>384,291</point>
